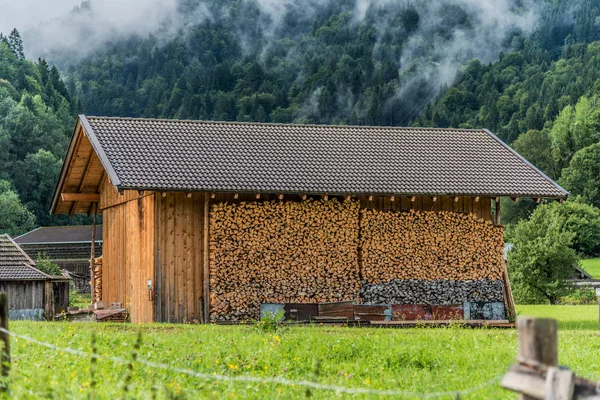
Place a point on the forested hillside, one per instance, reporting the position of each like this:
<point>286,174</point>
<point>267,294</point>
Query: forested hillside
<point>36,121</point>
<point>526,70</point>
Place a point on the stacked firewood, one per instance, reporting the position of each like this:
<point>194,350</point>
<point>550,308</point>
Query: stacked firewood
<point>432,292</point>
<point>281,252</point>
<point>97,290</point>
<point>429,246</point>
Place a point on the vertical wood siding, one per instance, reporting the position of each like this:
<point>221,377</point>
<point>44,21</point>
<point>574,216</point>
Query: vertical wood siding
<point>24,295</point>
<point>128,259</point>
<point>179,257</point>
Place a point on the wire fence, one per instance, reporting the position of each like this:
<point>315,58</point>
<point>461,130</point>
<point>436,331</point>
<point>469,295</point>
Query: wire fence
<point>259,380</point>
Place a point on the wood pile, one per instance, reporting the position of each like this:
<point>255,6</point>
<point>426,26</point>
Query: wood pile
<point>412,291</point>
<point>429,246</point>
<point>97,290</point>
<point>281,252</point>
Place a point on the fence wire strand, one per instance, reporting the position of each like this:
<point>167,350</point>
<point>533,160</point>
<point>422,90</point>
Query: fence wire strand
<point>265,380</point>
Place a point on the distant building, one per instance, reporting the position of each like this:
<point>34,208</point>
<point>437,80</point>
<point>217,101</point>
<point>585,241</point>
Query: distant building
<point>32,294</point>
<point>69,247</point>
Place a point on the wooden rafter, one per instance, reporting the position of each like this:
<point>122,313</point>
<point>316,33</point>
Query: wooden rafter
<point>85,197</point>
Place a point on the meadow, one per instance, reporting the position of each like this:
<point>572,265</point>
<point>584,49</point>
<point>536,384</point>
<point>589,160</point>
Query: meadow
<point>592,267</point>
<point>419,360</point>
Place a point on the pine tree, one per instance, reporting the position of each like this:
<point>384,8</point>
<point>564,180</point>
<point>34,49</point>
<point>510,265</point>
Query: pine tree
<point>16,44</point>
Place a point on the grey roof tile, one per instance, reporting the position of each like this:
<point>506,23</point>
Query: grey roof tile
<point>224,156</point>
<point>15,265</point>
<point>60,234</point>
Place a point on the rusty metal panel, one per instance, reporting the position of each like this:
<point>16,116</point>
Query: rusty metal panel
<point>449,312</point>
<point>338,309</point>
<point>372,312</point>
<point>487,311</point>
<point>301,311</point>
<point>411,312</point>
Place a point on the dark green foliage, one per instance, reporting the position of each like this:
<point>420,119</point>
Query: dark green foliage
<point>523,91</point>
<point>542,259</point>
<point>582,176</point>
<point>15,218</point>
<point>583,220</point>
<point>44,264</point>
<point>36,122</point>
<point>321,63</point>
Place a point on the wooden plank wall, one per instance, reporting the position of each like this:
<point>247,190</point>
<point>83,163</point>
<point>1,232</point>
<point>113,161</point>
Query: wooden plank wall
<point>464,205</point>
<point>179,257</point>
<point>110,197</point>
<point>128,256</point>
<point>24,295</point>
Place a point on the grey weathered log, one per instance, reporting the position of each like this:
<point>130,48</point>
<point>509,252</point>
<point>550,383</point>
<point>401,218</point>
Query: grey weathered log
<point>444,292</point>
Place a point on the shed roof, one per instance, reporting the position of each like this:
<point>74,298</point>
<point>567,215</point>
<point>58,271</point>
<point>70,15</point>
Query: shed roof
<point>60,235</point>
<point>170,155</point>
<point>15,265</point>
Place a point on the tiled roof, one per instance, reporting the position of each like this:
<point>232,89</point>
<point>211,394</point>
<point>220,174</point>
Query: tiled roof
<point>60,234</point>
<point>315,159</point>
<point>15,265</point>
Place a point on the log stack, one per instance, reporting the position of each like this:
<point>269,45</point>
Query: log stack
<point>281,252</point>
<point>97,290</point>
<point>438,292</point>
<point>429,246</point>
<point>327,251</point>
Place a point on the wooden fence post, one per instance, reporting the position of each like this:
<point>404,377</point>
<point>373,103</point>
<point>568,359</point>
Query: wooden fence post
<point>5,338</point>
<point>536,375</point>
<point>538,343</point>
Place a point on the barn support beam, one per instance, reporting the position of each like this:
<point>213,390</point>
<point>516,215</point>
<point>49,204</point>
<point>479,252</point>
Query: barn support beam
<point>93,256</point>
<point>206,272</point>
<point>497,216</point>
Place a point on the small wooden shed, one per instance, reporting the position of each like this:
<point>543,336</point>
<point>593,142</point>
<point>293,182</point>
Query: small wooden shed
<point>206,221</point>
<point>32,294</point>
<point>66,246</point>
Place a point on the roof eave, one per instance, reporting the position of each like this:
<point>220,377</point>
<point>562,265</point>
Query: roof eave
<point>99,151</point>
<point>353,194</point>
<point>546,177</point>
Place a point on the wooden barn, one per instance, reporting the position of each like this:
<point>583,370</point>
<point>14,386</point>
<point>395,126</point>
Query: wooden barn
<point>209,221</point>
<point>32,294</point>
<point>66,246</point>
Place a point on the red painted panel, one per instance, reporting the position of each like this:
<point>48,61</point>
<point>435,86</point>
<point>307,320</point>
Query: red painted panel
<point>411,312</point>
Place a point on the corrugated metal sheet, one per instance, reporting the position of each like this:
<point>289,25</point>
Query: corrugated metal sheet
<point>301,311</point>
<point>343,309</point>
<point>373,312</point>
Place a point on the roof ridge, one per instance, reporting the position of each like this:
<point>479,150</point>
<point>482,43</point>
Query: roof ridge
<point>208,121</point>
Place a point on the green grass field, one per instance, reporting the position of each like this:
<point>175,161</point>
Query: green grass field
<point>592,266</point>
<point>422,360</point>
